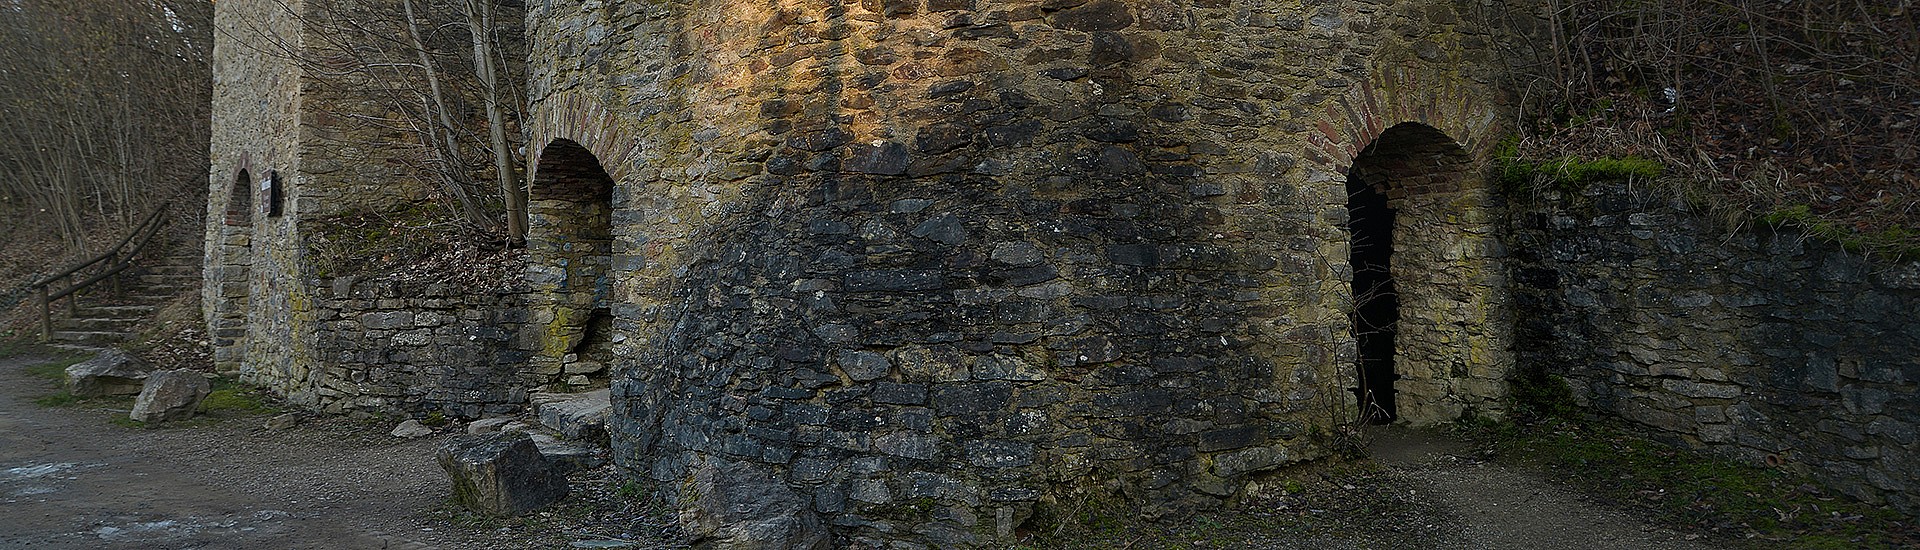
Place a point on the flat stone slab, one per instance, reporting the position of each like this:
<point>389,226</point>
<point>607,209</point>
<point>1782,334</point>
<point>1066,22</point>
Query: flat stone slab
<point>568,457</point>
<point>112,372</point>
<point>575,415</point>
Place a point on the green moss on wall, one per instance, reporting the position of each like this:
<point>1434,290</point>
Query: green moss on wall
<point>1514,173</point>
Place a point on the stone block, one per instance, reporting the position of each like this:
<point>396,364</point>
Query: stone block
<point>737,506</point>
<point>501,474</point>
<point>862,366</point>
<point>112,372</point>
<point>170,395</point>
<point>576,415</point>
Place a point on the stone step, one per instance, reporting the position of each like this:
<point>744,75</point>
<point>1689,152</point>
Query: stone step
<point>192,268</point>
<point>140,311</point>
<point>568,455</point>
<point>98,323</point>
<point>574,415</point>
<point>81,348</point>
<point>90,337</point>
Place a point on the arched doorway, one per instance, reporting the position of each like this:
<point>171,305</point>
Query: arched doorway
<point>229,275</point>
<point>569,249</point>
<point>1429,314</point>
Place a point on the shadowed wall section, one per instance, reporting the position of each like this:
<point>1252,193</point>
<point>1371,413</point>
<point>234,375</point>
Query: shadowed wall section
<point>1447,347</point>
<point>569,247</point>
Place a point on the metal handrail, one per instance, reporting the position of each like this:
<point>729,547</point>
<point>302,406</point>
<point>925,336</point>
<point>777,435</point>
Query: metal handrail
<point>118,258</point>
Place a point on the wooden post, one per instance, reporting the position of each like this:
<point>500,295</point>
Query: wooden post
<point>46,316</point>
<point>113,260</point>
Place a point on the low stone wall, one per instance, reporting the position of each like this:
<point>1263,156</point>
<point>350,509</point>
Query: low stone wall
<point>387,346</point>
<point>1764,346</point>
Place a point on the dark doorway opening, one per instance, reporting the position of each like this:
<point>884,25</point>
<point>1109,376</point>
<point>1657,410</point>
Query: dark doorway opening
<point>570,245</point>
<point>1376,305</point>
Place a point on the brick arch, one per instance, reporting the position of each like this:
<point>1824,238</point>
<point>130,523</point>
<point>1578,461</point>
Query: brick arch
<point>569,246</point>
<point>586,123</point>
<point>1466,114</point>
<point>1412,158</point>
<point>240,199</point>
<point>1429,317</point>
<point>566,170</point>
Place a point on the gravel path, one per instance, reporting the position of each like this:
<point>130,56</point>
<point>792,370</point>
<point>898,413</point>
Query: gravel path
<point>1504,508</point>
<point>71,479</point>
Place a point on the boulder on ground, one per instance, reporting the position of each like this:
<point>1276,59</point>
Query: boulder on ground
<point>501,474</point>
<point>170,395</point>
<point>112,372</point>
<point>283,422</point>
<point>737,506</point>
<point>411,429</point>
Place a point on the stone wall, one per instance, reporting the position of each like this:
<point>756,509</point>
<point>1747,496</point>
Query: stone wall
<point>388,346</point>
<point>304,113</point>
<point>255,133</point>
<point>997,256</point>
<point>1764,346</point>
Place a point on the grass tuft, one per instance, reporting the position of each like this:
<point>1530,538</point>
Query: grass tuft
<point>233,399</point>
<point>1569,173</point>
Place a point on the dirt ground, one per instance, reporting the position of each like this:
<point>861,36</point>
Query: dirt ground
<point>69,478</point>
<point>1500,507</point>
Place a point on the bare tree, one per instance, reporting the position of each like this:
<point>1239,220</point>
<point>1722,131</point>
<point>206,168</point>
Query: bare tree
<point>431,64</point>
<point>106,108</point>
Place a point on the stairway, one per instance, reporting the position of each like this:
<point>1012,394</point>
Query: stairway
<point>103,319</point>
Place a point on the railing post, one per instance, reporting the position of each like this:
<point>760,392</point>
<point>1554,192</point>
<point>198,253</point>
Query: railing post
<point>46,317</point>
<point>113,260</point>
<point>73,301</point>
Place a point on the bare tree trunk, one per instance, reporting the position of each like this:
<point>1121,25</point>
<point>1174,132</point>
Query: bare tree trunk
<point>480,23</point>
<point>449,149</point>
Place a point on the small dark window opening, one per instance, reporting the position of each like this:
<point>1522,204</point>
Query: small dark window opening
<point>1376,305</point>
<point>276,197</point>
<point>240,201</point>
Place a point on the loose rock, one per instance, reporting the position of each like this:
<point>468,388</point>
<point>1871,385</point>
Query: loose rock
<point>501,474</point>
<point>738,507</point>
<point>112,372</point>
<point>283,422</point>
<point>488,425</point>
<point>411,429</point>
<point>170,395</point>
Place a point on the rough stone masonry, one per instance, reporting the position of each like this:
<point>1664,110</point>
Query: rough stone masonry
<point>937,266</point>
<point>918,272</point>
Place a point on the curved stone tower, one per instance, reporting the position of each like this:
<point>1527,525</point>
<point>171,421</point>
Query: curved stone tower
<point>937,270</point>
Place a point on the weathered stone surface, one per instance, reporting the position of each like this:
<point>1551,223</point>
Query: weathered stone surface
<point>576,415</point>
<point>1734,343</point>
<point>741,507</point>
<point>844,246</point>
<point>112,372</point>
<point>501,474</point>
<point>170,395</point>
<point>410,429</point>
<point>488,425</point>
<point>567,456</point>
